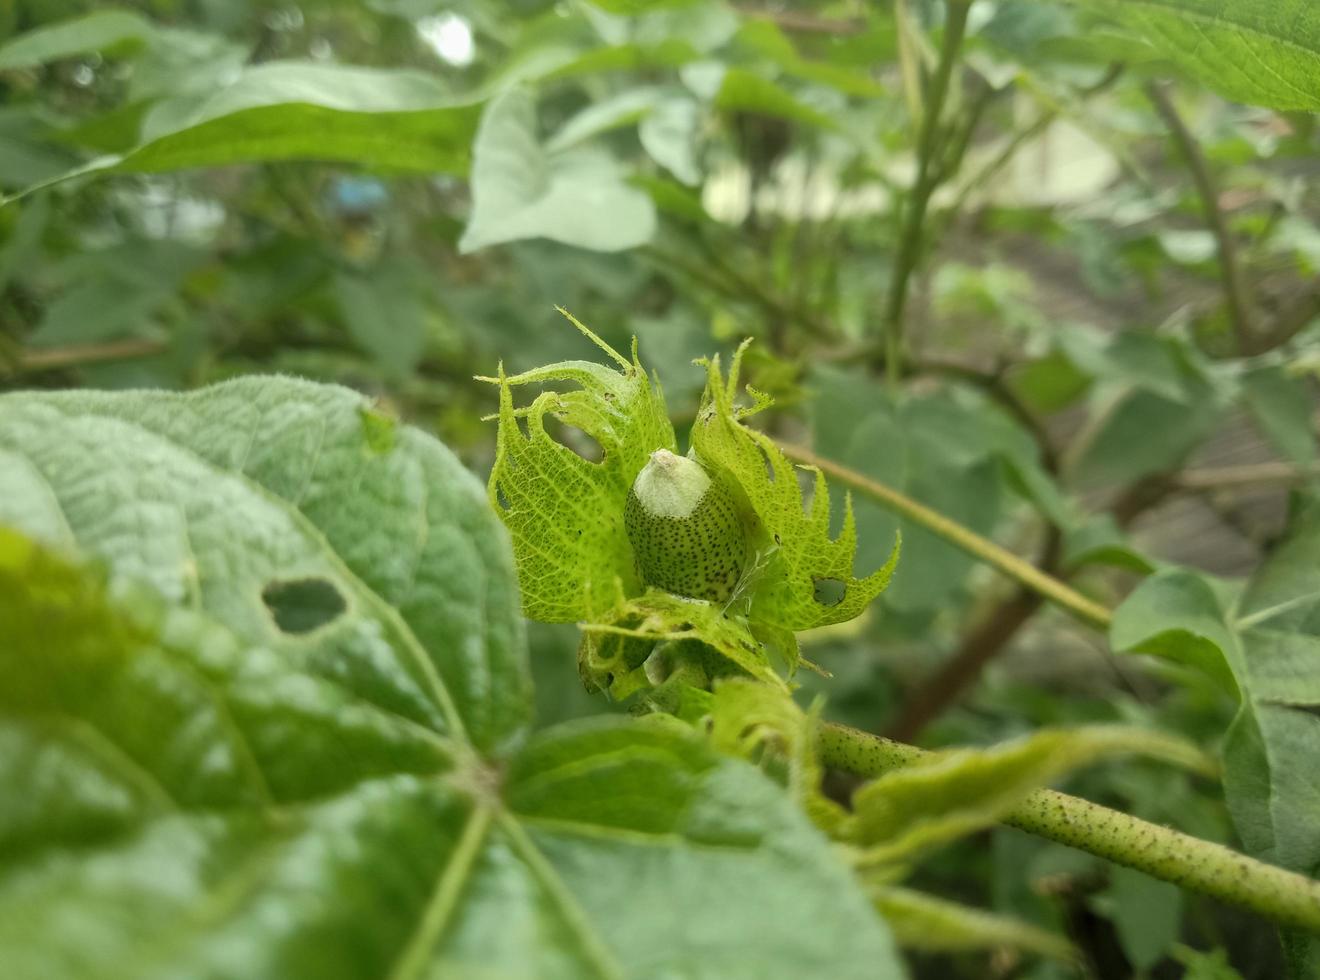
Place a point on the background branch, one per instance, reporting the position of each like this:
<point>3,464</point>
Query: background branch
<point>1236,295</point>
<point>912,234</point>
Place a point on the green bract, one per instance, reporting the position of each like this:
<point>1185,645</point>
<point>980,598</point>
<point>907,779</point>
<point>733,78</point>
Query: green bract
<point>571,536</point>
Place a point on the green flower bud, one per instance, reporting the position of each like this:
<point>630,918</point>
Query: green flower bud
<point>685,529</point>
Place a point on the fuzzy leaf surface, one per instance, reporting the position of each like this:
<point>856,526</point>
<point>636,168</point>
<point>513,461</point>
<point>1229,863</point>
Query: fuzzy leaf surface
<point>189,788</point>
<point>213,496</point>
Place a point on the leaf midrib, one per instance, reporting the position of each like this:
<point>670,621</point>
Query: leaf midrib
<point>602,960</point>
<point>417,953</point>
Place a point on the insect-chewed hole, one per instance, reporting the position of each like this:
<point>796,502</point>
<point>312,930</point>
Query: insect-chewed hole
<point>501,498</point>
<point>575,439</point>
<point>769,465</point>
<point>304,604</point>
<point>829,591</point>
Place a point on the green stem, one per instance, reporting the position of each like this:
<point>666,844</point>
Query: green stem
<point>928,177</point>
<point>1236,293</point>
<point>1025,573</point>
<point>1212,869</point>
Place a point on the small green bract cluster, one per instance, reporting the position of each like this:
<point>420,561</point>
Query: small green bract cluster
<point>651,552</point>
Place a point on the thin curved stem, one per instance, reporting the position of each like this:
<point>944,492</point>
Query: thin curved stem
<point>1161,852</point>
<point>1236,289</point>
<point>1023,572</point>
<point>929,173</point>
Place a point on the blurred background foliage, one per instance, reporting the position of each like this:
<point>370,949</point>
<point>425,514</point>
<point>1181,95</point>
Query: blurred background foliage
<point>1106,276</point>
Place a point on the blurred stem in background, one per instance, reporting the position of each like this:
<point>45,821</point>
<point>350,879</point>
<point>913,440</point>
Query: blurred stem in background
<point>930,173</point>
<point>1237,297</point>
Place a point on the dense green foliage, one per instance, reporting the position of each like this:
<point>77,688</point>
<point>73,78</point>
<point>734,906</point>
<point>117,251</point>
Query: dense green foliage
<point>286,694</point>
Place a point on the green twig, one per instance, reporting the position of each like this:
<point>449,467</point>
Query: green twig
<point>1023,572</point>
<point>929,174</point>
<point>1212,869</point>
<point>1236,296</point>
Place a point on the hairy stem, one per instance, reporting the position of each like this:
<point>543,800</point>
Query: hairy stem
<point>1212,869</point>
<point>929,174</point>
<point>1235,284</point>
<point>1023,572</point>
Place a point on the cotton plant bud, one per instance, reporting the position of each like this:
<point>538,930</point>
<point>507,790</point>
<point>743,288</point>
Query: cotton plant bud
<point>685,529</point>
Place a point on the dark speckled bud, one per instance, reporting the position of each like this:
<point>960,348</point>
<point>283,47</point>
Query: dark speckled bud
<point>685,529</point>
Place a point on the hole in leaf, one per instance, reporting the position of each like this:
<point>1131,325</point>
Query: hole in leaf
<point>302,605</point>
<point>829,591</point>
<point>500,497</point>
<point>574,438</point>
<point>769,466</point>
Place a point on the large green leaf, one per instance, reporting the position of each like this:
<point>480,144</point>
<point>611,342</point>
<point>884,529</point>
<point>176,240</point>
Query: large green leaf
<point>1262,52</point>
<point>212,497</point>
<point>1269,644</point>
<point>397,119</point>
<point>521,189</point>
<point>104,30</point>
<point>202,775</point>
